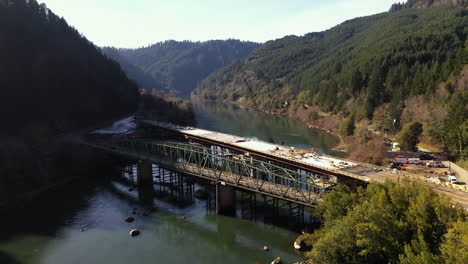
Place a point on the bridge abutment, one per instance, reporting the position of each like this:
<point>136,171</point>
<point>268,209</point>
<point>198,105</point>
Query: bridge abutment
<point>225,199</point>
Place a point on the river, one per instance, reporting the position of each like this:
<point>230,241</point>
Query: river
<point>83,223</point>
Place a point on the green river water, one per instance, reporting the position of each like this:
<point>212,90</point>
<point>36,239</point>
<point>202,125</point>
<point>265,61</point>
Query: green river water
<point>84,223</point>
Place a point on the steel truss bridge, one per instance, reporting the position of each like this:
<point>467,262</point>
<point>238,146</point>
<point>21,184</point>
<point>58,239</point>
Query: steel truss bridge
<point>226,168</point>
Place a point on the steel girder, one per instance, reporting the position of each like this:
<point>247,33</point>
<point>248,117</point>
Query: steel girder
<point>234,169</point>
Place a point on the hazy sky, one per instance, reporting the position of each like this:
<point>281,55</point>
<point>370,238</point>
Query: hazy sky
<point>136,23</point>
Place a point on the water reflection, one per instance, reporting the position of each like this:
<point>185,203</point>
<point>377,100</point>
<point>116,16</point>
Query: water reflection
<point>247,122</point>
<point>84,224</point>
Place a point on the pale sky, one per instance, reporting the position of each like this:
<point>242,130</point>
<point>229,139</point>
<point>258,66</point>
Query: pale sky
<point>137,23</point>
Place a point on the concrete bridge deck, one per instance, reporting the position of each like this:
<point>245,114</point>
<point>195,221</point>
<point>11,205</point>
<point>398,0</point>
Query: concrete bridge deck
<point>305,159</point>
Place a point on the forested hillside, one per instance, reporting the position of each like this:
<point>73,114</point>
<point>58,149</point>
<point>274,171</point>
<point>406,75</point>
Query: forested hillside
<point>388,222</point>
<point>52,78</point>
<point>368,68</point>
<point>179,66</point>
<point>52,81</point>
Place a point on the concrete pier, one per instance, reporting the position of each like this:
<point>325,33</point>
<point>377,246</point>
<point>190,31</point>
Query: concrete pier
<point>145,182</point>
<point>225,199</point>
<point>144,173</point>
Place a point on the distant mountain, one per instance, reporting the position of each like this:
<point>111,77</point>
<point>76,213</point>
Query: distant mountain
<point>52,78</point>
<point>134,72</point>
<point>179,66</point>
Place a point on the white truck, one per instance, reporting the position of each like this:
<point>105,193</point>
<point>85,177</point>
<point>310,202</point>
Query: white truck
<point>435,163</point>
<point>452,179</point>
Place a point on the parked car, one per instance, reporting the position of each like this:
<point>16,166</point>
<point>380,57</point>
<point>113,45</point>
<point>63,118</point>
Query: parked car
<point>435,163</point>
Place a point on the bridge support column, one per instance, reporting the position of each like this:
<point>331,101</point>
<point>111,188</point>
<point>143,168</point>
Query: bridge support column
<point>225,199</point>
<point>352,183</point>
<point>144,173</point>
<point>145,182</point>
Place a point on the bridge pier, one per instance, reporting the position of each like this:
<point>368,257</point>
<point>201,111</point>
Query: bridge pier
<point>144,173</point>
<point>225,199</point>
<point>145,182</point>
<point>351,182</point>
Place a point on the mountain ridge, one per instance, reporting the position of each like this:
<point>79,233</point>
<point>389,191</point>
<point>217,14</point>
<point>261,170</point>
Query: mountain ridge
<point>45,87</point>
<point>179,65</point>
<point>369,66</point>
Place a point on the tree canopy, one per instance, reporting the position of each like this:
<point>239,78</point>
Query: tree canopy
<point>52,78</point>
<point>408,137</point>
<point>389,223</point>
<point>361,66</point>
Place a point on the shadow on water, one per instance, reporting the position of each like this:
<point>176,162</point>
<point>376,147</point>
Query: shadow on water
<point>8,259</point>
<point>48,213</point>
<point>49,230</point>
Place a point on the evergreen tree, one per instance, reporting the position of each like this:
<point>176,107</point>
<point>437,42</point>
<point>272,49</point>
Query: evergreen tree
<point>408,137</point>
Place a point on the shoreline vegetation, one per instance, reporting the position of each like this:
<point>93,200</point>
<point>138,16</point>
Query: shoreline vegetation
<point>368,137</point>
<point>346,144</point>
<point>367,78</point>
<point>166,107</point>
<point>387,223</point>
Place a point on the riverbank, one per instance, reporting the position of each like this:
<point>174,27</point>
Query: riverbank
<point>364,147</point>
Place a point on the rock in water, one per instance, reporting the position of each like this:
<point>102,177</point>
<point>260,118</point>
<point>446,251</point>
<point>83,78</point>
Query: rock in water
<point>129,219</point>
<point>265,248</point>
<point>277,261</point>
<point>297,246</point>
<point>134,232</point>
<point>300,244</point>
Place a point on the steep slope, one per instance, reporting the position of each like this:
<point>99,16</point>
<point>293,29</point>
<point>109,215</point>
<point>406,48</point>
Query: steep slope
<point>52,81</point>
<point>132,71</point>
<point>369,59</point>
<point>372,67</point>
<point>52,78</point>
<point>179,66</point>
<point>361,63</point>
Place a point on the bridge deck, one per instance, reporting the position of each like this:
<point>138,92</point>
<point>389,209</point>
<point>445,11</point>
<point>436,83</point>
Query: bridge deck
<point>307,159</point>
